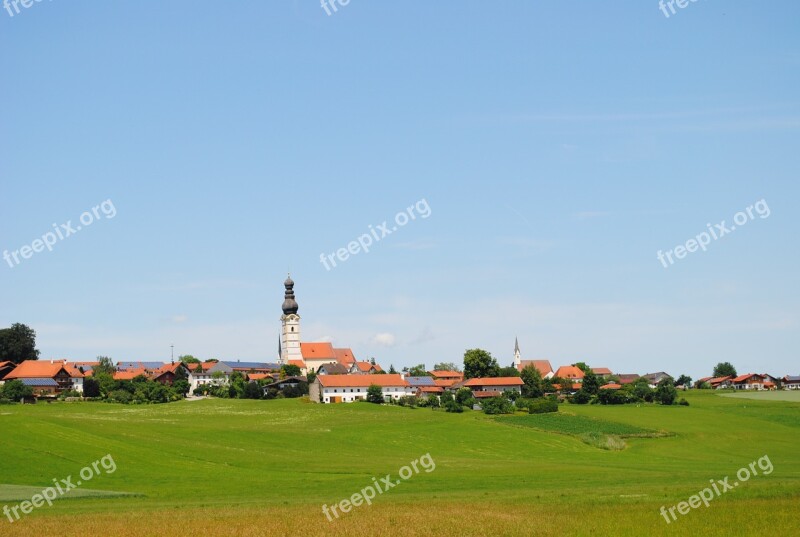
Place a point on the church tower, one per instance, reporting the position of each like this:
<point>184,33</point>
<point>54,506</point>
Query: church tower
<point>290,326</point>
<point>517,358</point>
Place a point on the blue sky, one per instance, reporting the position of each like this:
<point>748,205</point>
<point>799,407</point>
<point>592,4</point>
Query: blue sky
<point>558,145</point>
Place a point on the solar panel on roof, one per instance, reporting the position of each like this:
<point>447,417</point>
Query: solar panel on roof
<point>39,382</point>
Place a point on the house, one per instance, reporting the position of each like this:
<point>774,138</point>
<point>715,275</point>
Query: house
<point>424,386</point>
<point>700,382</point>
<point>269,377</point>
<point>169,373</point>
<point>47,377</point>
<point>495,384</point>
<point>451,376</point>
<point>349,388</point>
<point>751,381</point>
<point>628,378</point>
<point>252,367</point>
<point>611,386</point>
<point>5,369</point>
<point>791,382</point>
<point>149,366</point>
<point>288,382</point>
<point>570,372</point>
<point>332,369</point>
<point>654,378</point>
<point>486,394</point>
<point>718,383</point>
<point>446,383</point>
<point>213,373</point>
<point>364,368</point>
<point>425,391</point>
<point>602,371</point>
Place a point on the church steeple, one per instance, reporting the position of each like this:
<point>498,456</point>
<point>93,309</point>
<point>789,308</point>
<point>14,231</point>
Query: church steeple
<point>517,357</point>
<point>289,344</point>
<point>289,303</point>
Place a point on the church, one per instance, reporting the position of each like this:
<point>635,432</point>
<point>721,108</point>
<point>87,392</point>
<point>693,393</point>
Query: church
<point>309,357</point>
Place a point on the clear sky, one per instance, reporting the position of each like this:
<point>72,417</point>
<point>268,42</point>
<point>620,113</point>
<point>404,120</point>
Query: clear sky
<point>557,145</point>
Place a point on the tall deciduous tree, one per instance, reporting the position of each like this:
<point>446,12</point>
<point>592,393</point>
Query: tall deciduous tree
<point>724,369</point>
<point>479,363</point>
<point>446,366</point>
<point>18,344</point>
<point>532,378</point>
<point>106,365</point>
<point>418,371</point>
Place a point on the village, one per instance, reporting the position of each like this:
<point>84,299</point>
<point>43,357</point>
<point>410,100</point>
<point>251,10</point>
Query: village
<point>328,375</point>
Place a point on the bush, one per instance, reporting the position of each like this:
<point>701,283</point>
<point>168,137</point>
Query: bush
<point>497,405</point>
<point>666,392</point>
<point>683,402</point>
<point>612,397</point>
<point>452,406</point>
<point>542,406</point>
<point>407,400</point>
<point>120,396</point>
<point>375,394</point>
<point>581,397</point>
<point>15,390</point>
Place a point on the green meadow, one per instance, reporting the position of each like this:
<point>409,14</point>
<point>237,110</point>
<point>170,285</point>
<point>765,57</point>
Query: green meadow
<point>238,467</point>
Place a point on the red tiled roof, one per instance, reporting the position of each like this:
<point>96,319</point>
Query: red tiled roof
<point>299,363</point>
<point>344,356</point>
<point>742,378</point>
<point>544,366</point>
<point>364,367</point>
<point>36,369</point>
<point>601,371</point>
<point>129,374</point>
<point>258,376</point>
<point>494,381</point>
<point>431,389</point>
<point>484,395</point>
<point>317,351</point>
<point>611,386</point>
<point>444,383</point>
<point>718,380</point>
<point>446,374</point>
<point>360,381</point>
<point>569,372</point>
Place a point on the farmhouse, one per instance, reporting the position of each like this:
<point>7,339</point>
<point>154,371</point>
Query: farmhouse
<point>333,369</point>
<point>791,382</point>
<point>449,376</point>
<point>570,372</point>
<point>364,368</point>
<point>495,384</point>
<point>349,388</point>
<point>751,381</point>
<point>5,369</point>
<point>47,377</point>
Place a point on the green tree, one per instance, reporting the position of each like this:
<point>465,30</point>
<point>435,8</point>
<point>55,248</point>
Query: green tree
<point>642,390</point>
<point>290,370</point>
<point>591,384</point>
<point>18,344</point>
<point>583,367</point>
<point>252,391</point>
<point>418,371</point>
<point>497,405</point>
<point>375,394</point>
<point>311,377</point>
<point>15,390</point>
<point>106,365</point>
<point>508,372</point>
<point>666,392</point>
<point>446,366</point>
<point>392,370</point>
<point>684,380</point>
<point>237,383</point>
<point>479,363</point>
<point>91,388</point>
<point>188,359</point>
<point>581,397</point>
<point>724,369</point>
<point>532,378</point>
<point>464,396</point>
<point>181,386</point>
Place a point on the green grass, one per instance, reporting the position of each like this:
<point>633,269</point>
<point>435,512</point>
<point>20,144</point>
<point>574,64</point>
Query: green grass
<point>222,467</point>
<point>783,395</point>
<point>567,423</point>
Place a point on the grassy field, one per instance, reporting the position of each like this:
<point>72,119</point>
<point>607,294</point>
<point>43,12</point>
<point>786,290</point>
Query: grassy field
<point>221,467</point>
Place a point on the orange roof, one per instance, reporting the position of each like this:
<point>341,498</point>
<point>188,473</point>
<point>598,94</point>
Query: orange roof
<point>611,386</point>
<point>742,378</point>
<point>575,386</point>
<point>718,380</point>
<point>171,368</point>
<point>569,372</point>
<point>344,356</point>
<point>258,376</point>
<point>543,366</point>
<point>36,369</point>
<point>446,374</point>
<point>431,389</point>
<point>299,363</point>
<point>494,381</point>
<point>360,381</point>
<point>129,374</point>
<point>601,371</point>
<point>364,367</point>
<point>483,395</point>
<point>444,383</point>
<point>317,351</point>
